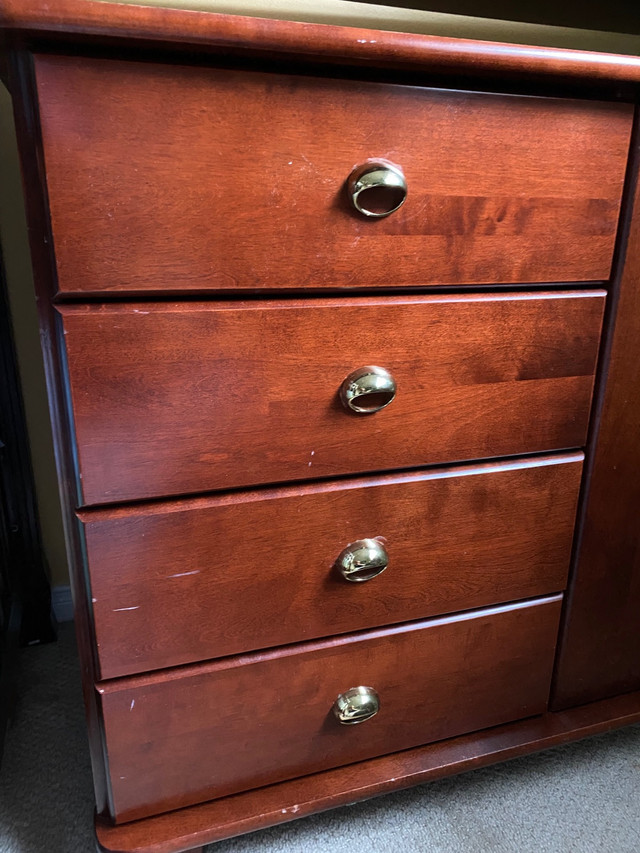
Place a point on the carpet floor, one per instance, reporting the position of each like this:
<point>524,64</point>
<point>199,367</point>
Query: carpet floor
<point>581,798</point>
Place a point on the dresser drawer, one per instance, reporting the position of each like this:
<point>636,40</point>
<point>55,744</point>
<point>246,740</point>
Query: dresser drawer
<point>203,732</point>
<point>182,398</point>
<point>191,179</point>
<point>187,581</point>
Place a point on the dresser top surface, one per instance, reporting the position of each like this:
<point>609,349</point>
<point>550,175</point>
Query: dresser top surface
<point>80,20</point>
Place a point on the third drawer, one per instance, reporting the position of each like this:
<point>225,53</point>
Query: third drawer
<point>180,582</point>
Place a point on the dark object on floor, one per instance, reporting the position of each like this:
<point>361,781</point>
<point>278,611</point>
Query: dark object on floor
<point>25,596</point>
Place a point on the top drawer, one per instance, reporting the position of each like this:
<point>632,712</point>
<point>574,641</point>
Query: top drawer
<point>191,179</point>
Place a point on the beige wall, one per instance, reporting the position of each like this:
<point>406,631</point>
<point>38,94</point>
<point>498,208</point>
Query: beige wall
<point>416,20</point>
<point>12,221</point>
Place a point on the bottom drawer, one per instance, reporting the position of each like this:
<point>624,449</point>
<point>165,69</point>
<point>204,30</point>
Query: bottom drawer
<point>192,734</point>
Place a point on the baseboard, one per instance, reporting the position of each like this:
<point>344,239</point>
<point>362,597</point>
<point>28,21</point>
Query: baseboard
<point>62,604</point>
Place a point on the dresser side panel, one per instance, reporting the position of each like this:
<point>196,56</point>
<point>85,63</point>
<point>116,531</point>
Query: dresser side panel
<point>20,83</point>
<point>599,652</point>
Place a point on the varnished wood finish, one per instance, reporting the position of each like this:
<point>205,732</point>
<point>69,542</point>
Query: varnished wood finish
<point>601,638</point>
<point>33,176</point>
<point>500,411</point>
<point>192,734</point>
<point>177,398</point>
<point>229,816</point>
<point>185,581</point>
<point>501,189</point>
<point>259,37</point>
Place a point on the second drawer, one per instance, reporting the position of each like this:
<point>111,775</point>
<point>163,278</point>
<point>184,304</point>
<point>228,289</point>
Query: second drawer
<point>177,398</point>
<point>191,580</point>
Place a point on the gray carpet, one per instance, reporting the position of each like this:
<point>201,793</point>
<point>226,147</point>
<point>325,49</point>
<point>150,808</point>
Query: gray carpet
<point>580,798</point>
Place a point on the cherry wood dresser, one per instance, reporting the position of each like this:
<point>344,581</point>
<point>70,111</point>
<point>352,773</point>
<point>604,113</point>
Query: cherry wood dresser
<point>342,336</point>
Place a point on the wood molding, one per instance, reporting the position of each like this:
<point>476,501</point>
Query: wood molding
<point>230,34</point>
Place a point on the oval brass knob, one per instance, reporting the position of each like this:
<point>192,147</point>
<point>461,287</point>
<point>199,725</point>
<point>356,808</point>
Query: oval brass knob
<point>377,188</point>
<point>367,390</point>
<point>362,560</point>
<point>356,705</point>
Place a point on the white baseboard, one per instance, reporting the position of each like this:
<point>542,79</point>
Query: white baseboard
<point>61,603</point>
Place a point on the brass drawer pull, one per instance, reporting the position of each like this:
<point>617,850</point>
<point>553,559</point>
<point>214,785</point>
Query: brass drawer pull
<point>367,390</point>
<point>377,188</point>
<point>362,560</point>
<point>356,705</point>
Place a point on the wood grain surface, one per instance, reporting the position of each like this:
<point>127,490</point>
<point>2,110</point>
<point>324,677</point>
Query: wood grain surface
<point>181,830</point>
<point>176,398</point>
<point>154,442</point>
<point>192,734</point>
<point>141,26</point>
<point>190,179</point>
<point>599,654</point>
<point>185,581</point>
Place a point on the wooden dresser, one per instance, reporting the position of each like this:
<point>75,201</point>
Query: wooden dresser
<point>342,333</point>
